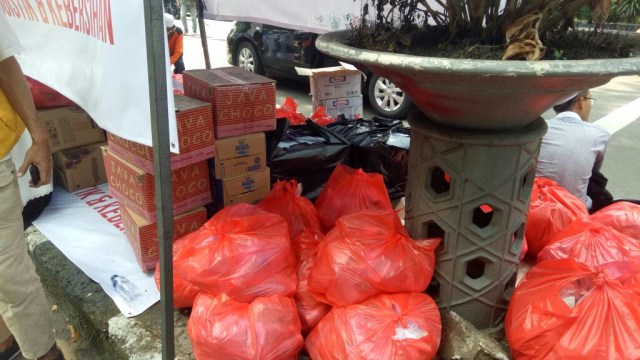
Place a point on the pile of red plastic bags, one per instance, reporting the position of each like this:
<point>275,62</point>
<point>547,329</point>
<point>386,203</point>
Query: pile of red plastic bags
<point>582,299</point>
<point>343,273</point>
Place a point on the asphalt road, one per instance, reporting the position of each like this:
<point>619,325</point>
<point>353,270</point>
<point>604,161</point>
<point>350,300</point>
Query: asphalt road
<point>621,161</point>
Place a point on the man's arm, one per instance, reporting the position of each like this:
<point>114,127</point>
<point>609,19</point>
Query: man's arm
<point>601,148</point>
<point>178,48</point>
<point>14,85</point>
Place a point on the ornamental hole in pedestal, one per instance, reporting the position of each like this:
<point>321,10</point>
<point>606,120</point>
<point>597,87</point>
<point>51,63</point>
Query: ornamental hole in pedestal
<point>517,239</point>
<point>438,184</point>
<point>479,272</point>
<point>482,216</point>
<point>527,184</point>
<point>431,230</point>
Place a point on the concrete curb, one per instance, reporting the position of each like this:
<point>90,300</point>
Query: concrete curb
<point>95,314</point>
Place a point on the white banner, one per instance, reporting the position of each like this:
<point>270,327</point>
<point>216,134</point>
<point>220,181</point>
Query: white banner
<point>317,16</point>
<point>87,228</point>
<point>94,53</point>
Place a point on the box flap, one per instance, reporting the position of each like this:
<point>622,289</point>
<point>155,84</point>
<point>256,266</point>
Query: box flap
<point>309,72</point>
<point>60,179</point>
<point>134,168</point>
<point>185,103</point>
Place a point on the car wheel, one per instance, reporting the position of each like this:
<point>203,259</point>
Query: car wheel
<point>387,99</point>
<point>248,59</point>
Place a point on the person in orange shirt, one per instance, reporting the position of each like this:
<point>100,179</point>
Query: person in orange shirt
<point>175,36</point>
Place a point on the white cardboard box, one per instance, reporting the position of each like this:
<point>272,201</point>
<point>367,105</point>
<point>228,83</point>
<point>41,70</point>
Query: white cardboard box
<point>333,82</point>
<point>351,107</point>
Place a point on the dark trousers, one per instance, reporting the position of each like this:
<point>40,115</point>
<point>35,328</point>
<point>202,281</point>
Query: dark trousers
<point>178,67</point>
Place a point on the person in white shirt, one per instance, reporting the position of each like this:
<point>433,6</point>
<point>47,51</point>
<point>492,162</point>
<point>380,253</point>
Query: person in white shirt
<point>25,319</point>
<point>573,148</point>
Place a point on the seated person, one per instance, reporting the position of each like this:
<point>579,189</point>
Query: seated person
<point>573,148</point>
<point>175,38</point>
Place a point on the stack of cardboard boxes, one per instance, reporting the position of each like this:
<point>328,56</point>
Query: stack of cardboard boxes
<point>338,89</point>
<point>75,144</point>
<point>129,168</point>
<point>240,170</point>
<point>243,106</point>
<point>222,159</point>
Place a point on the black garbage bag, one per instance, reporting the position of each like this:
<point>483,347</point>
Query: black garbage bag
<point>306,153</point>
<point>378,145</point>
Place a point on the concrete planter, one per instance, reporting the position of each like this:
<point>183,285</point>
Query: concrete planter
<point>481,94</point>
<point>474,147</point>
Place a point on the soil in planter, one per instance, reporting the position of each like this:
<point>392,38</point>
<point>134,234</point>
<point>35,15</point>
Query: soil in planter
<point>435,42</point>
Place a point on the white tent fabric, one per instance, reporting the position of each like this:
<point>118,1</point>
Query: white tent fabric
<point>306,15</point>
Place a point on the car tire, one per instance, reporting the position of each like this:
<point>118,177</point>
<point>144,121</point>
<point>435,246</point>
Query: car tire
<point>247,58</point>
<point>386,99</point>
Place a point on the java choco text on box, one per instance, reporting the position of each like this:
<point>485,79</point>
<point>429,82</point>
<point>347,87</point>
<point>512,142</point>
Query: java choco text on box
<point>135,188</point>
<point>242,102</point>
<point>195,134</point>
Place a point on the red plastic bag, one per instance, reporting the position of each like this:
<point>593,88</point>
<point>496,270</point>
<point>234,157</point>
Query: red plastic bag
<point>348,191</point>
<point>242,251</point>
<point>306,243</point>
<point>321,118</point>
<point>183,291</point>
<point>288,110</point>
<point>370,253</point>
<point>565,310</point>
<point>525,248</point>
<point>552,209</point>
<point>286,201</point>
<point>310,310</point>
<point>622,216</point>
<point>591,243</point>
<point>45,97</point>
<point>178,84</point>
<point>265,329</point>
<point>397,326</point>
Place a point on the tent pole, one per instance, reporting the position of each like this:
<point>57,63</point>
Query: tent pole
<point>203,34</point>
<point>157,68</point>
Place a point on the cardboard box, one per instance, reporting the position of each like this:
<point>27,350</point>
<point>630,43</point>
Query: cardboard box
<point>242,102</point>
<point>135,188</point>
<point>70,127</point>
<point>239,155</point>
<point>351,107</point>
<point>195,134</point>
<point>143,235</point>
<point>79,168</point>
<point>248,188</point>
<point>333,82</point>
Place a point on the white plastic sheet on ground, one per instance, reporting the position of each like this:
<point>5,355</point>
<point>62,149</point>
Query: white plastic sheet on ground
<point>87,228</point>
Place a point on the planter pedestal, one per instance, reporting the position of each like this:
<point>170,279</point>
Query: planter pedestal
<point>472,188</point>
